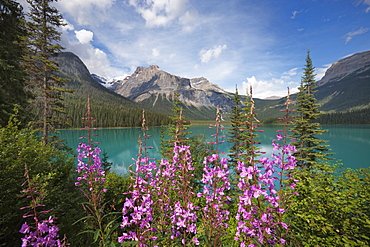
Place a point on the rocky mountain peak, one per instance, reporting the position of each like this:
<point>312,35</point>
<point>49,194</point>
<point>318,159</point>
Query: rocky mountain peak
<point>149,79</point>
<point>355,63</point>
<point>203,84</point>
<point>152,84</point>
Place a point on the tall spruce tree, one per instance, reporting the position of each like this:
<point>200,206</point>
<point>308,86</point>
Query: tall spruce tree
<point>234,136</point>
<point>42,43</point>
<point>12,74</point>
<point>248,148</point>
<point>176,131</point>
<point>310,148</point>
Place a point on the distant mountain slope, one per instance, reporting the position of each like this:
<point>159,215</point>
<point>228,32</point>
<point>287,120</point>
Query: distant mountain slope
<point>155,88</point>
<point>346,84</point>
<point>354,64</point>
<point>343,91</point>
<point>345,88</point>
<point>108,108</point>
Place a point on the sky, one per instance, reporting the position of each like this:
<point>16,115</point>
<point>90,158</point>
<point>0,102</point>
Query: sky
<point>232,43</point>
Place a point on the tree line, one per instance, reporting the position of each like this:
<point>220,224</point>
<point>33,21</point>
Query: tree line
<point>31,79</point>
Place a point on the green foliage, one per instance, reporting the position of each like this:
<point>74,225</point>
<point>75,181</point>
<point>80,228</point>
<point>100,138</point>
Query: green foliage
<point>109,114</point>
<point>12,75</point>
<point>332,208</point>
<point>199,148</point>
<point>356,116</point>
<point>42,44</point>
<point>176,131</point>
<point>234,135</point>
<point>248,149</point>
<point>306,129</point>
<point>48,167</point>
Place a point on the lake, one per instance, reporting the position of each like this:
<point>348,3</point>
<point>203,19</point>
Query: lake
<point>350,143</point>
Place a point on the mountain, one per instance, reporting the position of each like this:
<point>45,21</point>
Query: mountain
<point>108,108</point>
<point>346,84</point>
<point>354,64</point>
<point>104,82</point>
<point>343,93</point>
<point>156,89</point>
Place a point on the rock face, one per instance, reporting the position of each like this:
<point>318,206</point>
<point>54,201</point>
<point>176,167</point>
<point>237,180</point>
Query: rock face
<point>346,84</point>
<point>71,64</point>
<point>356,63</point>
<point>158,85</point>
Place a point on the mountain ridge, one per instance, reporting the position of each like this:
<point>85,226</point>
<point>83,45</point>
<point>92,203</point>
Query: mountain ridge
<point>108,108</point>
<point>345,87</point>
<point>156,89</point>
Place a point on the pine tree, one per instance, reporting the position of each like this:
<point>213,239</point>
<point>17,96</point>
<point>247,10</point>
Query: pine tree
<point>12,75</point>
<point>42,43</point>
<point>306,129</point>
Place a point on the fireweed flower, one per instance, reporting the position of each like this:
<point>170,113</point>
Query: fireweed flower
<point>259,203</point>
<point>89,168</point>
<point>163,191</point>
<point>174,197</point>
<point>45,234</point>
<point>181,212</point>
<point>216,182</point>
<point>137,210</point>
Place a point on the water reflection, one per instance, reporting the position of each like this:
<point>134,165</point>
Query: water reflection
<point>350,143</point>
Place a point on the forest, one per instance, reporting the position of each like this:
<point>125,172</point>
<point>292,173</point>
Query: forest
<point>54,196</point>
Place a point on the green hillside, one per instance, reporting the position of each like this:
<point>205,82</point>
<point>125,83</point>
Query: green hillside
<point>108,108</point>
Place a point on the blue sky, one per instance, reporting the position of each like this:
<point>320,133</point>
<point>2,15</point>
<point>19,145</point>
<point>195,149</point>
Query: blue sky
<point>262,43</point>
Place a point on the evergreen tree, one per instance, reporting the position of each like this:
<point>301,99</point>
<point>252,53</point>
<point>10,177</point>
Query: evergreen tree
<point>12,75</point>
<point>306,129</point>
<point>235,126</point>
<point>249,151</point>
<point>42,43</point>
<point>176,131</point>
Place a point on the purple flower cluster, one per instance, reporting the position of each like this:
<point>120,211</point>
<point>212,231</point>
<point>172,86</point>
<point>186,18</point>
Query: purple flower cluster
<point>162,203</point>
<point>259,205</point>
<point>216,181</point>
<point>175,197</point>
<point>165,191</point>
<point>137,210</point>
<point>44,234</point>
<point>89,167</point>
<point>183,220</point>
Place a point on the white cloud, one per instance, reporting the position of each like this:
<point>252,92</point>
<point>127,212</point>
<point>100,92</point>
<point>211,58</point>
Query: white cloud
<point>68,26</point>
<point>263,89</point>
<point>86,12</point>
<point>348,37</point>
<point>275,86</point>
<point>84,36</point>
<point>365,2</point>
<point>206,55</point>
<point>96,60</point>
<point>155,52</point>
<point>291,72</point>
<point>294,14</point>
<point>188,20</point>
<point>160,12</point>
<point>260,89</point>
<point>320,72</point>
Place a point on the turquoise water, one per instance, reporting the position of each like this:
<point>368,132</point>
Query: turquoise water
<point>350,143</point>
